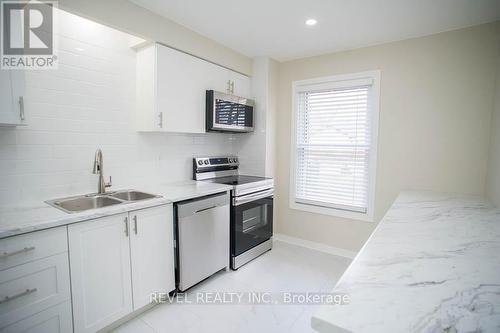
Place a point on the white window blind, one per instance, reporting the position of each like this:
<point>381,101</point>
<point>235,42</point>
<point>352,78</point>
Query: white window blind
<point>334,145</point>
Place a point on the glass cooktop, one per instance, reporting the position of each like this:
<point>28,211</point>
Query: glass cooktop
<point>237,180</point>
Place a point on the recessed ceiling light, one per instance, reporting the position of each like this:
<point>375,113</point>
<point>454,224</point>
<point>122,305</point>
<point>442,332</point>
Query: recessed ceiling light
<point>311,22</point>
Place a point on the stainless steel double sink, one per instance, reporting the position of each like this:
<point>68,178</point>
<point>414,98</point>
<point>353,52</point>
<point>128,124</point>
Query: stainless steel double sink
<point>92,201</point>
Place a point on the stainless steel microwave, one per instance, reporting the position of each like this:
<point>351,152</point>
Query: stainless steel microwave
<point>228,113</point>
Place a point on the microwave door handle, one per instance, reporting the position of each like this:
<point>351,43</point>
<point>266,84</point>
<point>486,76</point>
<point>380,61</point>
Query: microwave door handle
<point>252,197</point>
<point>214,113</point>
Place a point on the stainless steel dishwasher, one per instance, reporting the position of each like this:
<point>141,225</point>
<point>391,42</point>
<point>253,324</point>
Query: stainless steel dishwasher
<point>202,238</point>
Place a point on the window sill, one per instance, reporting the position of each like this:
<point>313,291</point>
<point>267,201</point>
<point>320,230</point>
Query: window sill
<point>364,217</point>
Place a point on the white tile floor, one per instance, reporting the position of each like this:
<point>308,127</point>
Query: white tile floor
<point>286,268</point>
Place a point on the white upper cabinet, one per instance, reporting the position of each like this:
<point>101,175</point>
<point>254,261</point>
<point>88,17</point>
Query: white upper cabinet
<point>171,89</point>
<point>12,98</point>
<point>181,84</point>
<point>240,84</point>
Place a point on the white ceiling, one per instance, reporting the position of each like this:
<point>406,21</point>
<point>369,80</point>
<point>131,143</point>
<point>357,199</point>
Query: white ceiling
<point>276,28</point>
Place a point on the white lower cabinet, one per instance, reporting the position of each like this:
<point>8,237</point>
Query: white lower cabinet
<point>33,287</point>
<point>152,253</point>
<point>117,262</point>
<point>56,319</point>
<point>99,253</point>
<point>35,291</point>
<point>33,246</point>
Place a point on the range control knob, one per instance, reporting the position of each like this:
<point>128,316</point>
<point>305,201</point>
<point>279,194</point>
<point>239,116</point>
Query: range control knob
<point>200,162</point>
<point>235,160</point>
<point>206,162</point>
<point>231,160</point>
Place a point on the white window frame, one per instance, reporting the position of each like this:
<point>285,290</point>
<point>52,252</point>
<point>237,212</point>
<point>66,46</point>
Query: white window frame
<point>332,82</point>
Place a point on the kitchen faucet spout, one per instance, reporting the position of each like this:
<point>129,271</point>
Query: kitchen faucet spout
<point>98,169</point>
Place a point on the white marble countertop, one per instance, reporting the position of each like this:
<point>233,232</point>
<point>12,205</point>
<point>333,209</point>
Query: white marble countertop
<point>431,265</point>
<point>39,215</point>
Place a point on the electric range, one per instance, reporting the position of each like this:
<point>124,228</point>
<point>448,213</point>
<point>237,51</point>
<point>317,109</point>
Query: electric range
<point>251,206</point>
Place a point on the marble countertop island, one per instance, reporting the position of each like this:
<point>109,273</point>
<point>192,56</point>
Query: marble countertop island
<point>431,265</point>
<point>35,216</point>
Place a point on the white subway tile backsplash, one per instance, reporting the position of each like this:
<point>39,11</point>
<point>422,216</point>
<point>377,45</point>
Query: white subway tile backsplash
<point>27,137</point>
<point>83,61</point>
<point>7,152</point>
<point>7,136</point>
<point>35,152</point>
<point>47,82</point>
<point>89,32</point>
<point>83,75</point>
<point>116,55</point>
<point>10,181</point>
<point>88,103</point>
<point>11,196</point>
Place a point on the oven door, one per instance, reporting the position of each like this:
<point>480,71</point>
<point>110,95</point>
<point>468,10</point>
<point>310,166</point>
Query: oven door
<point>251,221</point>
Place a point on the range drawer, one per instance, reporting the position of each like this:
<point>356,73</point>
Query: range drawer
<point>32,287</point>
<point>56,319</point>
<point>21,249</point>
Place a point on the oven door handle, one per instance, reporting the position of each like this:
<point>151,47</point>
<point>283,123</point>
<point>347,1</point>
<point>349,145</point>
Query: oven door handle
<point>252,197</point>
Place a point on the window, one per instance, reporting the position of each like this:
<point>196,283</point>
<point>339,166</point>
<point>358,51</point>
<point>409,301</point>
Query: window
<point>334,145</point>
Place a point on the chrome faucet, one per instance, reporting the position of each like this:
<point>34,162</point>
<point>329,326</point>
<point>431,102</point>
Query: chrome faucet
<point>98,169</point>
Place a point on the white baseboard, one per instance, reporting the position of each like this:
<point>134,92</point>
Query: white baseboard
<point>315,246</point>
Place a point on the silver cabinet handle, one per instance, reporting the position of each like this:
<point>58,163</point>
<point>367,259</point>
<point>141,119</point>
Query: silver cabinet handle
<point>135,224</point>
<point>126,226</point>
<point>21,107</point>
<point>8,254</point>
<point>23,293</point>
<point>232,87</point>
<point>160,120</point>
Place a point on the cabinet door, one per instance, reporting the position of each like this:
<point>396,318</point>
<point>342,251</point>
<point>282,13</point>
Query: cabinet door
<point>152,253</point>
<point>147,117</point>
<point>99,253</point>
<point>11,97</point>
<point>241,84</point>
<point>18,92</point>
<point>33,287</point>
<point>56,319</point>
<point>33,246</point>
<point>182,81</point>
<point>12,85</point>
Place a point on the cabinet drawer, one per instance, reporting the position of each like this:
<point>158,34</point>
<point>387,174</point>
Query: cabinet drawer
<point>33,287</point>
<point>56,319</point>
<point>21,249</point>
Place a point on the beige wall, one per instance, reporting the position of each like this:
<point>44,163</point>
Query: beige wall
<point>256,150</point>
<point>493,180</point>
<point>436,104</point>
<point>271,118</point>
<point>128,17</point>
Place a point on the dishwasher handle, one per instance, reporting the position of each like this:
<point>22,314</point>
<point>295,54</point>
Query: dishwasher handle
<point>204,209</point>
<point>190,208</point>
